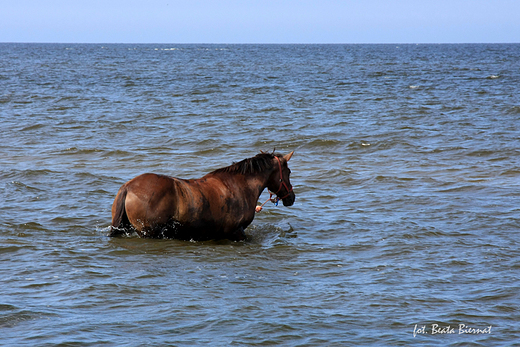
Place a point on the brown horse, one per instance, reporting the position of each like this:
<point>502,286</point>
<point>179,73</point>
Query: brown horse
<point>219,205</point>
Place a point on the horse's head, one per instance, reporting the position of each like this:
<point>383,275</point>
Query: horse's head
<point>279,182</point>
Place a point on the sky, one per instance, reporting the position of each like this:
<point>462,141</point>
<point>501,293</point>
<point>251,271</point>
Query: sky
<point>260,21</point>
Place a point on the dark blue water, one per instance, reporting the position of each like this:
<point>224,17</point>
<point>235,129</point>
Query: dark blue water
<point>406,173</point>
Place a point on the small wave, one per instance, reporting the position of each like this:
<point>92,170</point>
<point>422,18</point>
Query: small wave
<point>9,249</point>
<point>33,127</point>
<point>268,234</point>
<point>392,179</point>
<point>21,317</point>
<point>31,174</point>
<point>75,150</point>
<point>323,143</point>
<point>60,108</point>
<point>359,144</point>
<point>207,90</point>
<point>482,153</point>
<point>31,226</point>
<point>168,49</point>
<point>5,99</point>
<point>200,100</point>
<point>270,109</point>
<point>461,189</point>
<point>335,173</point>
<point>493,77</point>
<point>23,186</point>
<point>514,110</point>
<point>510,172</point>
<point>118,153</point>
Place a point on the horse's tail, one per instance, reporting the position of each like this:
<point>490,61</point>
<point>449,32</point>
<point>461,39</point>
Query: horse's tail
<point>119,218</point>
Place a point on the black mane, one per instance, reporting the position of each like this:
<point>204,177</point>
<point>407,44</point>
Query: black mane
<point>257,164</point>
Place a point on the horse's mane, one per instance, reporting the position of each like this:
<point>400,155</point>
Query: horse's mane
<point>258,163</point>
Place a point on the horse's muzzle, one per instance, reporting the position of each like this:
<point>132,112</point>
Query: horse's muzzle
<point>289,201</point>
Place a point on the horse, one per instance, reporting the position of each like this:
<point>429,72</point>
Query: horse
<point>219,205</point>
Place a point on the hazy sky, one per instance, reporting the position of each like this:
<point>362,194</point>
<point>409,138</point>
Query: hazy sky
<point>260,21</point>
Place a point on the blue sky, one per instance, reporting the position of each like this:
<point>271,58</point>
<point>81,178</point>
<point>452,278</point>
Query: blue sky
<point>260,21</point>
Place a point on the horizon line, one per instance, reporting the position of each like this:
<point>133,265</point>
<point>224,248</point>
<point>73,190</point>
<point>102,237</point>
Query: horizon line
<point>255,43</point>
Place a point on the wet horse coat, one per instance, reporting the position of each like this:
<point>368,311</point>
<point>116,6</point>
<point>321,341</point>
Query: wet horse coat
<point>219,205</point>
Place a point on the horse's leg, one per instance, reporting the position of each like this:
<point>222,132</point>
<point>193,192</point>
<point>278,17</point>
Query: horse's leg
<point>238,235</point>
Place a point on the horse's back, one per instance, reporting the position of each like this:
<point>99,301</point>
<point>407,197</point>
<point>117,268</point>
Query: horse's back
<point>150,181</point>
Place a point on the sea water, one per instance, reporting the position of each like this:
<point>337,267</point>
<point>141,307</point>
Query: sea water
<point>406,173</point>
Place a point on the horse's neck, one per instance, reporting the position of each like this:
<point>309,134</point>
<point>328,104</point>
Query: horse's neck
<point>255,184</point>
<point>258,184</point>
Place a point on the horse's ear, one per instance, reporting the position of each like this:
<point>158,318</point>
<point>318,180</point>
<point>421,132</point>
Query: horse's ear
<point>288,156</point>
